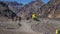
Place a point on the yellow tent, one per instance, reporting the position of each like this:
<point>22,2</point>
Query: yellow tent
<point>33,16</point>
<point>56,31</point>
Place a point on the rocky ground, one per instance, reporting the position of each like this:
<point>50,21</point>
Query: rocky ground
<point>44,26</point>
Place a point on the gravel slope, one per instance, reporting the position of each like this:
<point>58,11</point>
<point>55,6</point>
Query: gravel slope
<point>44,26</point>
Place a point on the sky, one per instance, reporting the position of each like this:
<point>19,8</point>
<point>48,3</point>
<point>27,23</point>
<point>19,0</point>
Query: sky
<point>45,1</point>
<point>24,1</point>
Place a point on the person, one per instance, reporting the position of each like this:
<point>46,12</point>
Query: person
<point>34,16</point>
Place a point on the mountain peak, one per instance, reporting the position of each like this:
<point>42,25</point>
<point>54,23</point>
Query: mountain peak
<point>12,3</point>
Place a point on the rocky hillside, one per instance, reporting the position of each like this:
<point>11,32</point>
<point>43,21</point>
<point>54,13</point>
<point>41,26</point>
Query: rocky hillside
<point>48,10</point>
<point>14,6</point>
<point>51,9</point>
<point>5,11</point>
<point>30,8</point>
